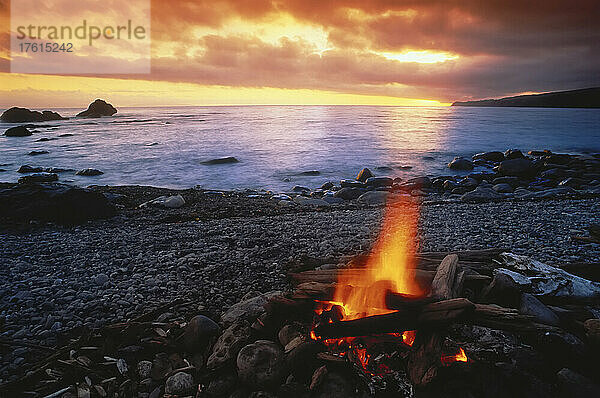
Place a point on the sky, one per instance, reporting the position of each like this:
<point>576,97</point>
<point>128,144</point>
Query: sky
<point>380,52</point>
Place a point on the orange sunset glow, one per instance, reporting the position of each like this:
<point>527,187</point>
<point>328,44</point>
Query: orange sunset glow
<point>418,53</point>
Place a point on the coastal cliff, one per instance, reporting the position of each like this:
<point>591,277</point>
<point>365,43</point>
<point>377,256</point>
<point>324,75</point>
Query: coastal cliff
<point>583,98</point>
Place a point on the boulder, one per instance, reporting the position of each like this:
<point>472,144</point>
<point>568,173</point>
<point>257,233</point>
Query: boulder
<point>261,364</point>
<point>199,332</point>
<point>167,202</point>
<point>468,182</point>
<point>364,174</point>
<point>512,181</point>
<point>530,305</point>
<point>374,197</point>
<point>503,188</point>
<point>299,188</point>
<point>460,163</point>
<point>228,345</point>
<point>327,185</point>
<point>449,185</point>
<point>379,182</point>
<point>481,194</point>
<point>89,172</point>
<point>513,154</point>
<point>519,167</point>
<point>352,184</point>
<point>226,160</point>
<point>19,131</point>
<point>416,183</point>
<point>20,115</point>
<point>98,108</point>
<point>59,203</point>
<point>247,310</point>
<point>38,177</point>
<point>348,193</point>
<point>180,383</point>
<point>493,156</point>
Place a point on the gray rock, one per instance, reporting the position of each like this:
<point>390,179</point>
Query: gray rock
<point>493,156</point>
<point>261,364</point>
<point>503,188</point>
<point>89,172</point>
<point>226,160</point>
<point>39,178</point>
<point>530,305</point>
<point>519,167</point>
<point>513,154</point>
<point>378,182</point>
<point>180,384</point>
<point>247,310</point>
<point>460,163</point>
<point>168,202</point>
<point>101,279</point>
<point>144,369</point>
<point>348,193</point>
<point>352,184</point>
<point>481,194</point>
<point>228,345</point>
<point>36,153</point>
<point>374,197</point>
<point>199,332</point>
<point>19,131</point>
<point>298,188</point>
<point>364,174</point>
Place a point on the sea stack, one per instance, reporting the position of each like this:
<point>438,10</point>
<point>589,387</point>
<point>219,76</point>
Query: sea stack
<point>20,115</point>
<point>98,108</point>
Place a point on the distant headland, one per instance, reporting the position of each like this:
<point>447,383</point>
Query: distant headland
<point>582,98</point>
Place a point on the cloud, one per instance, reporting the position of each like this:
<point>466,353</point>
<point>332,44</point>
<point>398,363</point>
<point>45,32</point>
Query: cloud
<point>503,47</point>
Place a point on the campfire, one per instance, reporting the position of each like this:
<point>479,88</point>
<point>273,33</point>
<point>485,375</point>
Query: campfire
<point>365,316</point>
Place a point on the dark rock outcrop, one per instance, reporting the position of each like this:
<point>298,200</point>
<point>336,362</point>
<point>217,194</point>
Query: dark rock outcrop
<point>493,156</point>
<point>519,167</point>
<point>460,164</point>
<point>55,202</point>
<point>226,160</point>
<point>19,115</point>
<point>19,131</point>
<point>89,172</point>
<point>38,177</point>
<point>98,108</point>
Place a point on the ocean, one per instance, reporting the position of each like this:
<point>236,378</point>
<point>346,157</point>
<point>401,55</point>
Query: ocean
<point>282,146</point>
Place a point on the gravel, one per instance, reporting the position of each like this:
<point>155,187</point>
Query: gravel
<point>56,279</point>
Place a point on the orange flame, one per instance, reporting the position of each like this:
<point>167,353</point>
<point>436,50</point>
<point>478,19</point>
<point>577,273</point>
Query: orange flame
<point>390,266</point>
<point>461,356</point>
<point>361,292</point>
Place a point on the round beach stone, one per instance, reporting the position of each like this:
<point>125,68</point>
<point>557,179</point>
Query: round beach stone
<point>261,364</point>
<point>180,383</point>
<point>198,333</point>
